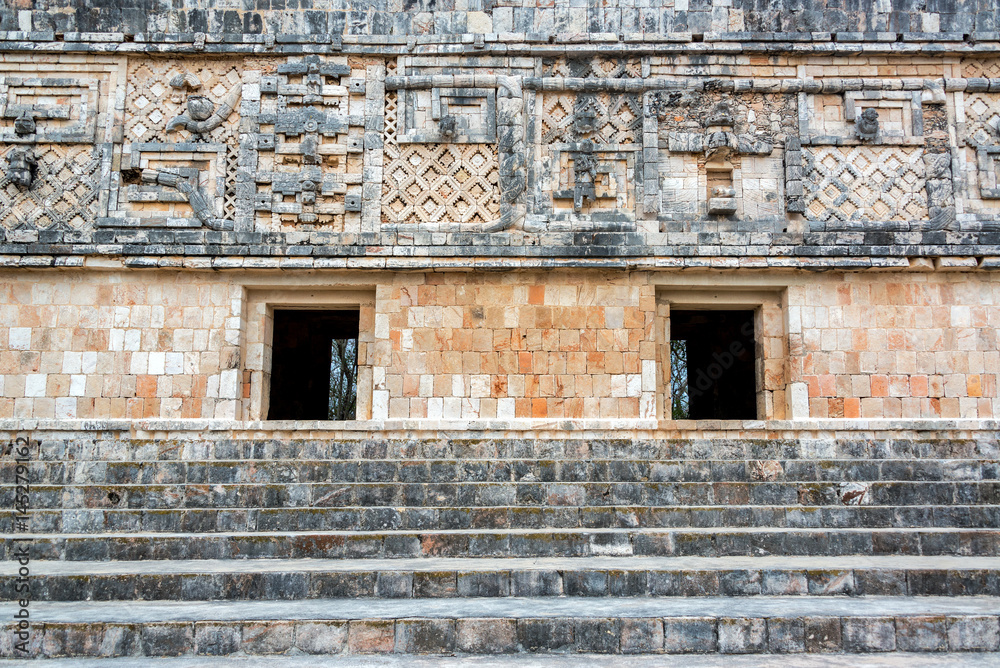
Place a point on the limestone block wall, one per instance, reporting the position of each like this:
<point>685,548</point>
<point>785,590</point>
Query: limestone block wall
<point>521,346</point>
<point>921,347</point>
<point>497,346</point>
<point>100,345</point>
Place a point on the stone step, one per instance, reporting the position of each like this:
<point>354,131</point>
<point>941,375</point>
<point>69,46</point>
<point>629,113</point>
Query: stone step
<point>340,494</point>
<point>475,470</point>
<point>513,625</point>
<point>429,517</point>
<point>709,542</point>
<point>532,449</point>
<point>290,579</point>
<point>795,660</point>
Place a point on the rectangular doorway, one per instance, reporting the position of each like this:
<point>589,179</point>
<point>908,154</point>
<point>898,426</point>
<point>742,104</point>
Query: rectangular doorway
<point>712,365</point>
<point>314,367</point>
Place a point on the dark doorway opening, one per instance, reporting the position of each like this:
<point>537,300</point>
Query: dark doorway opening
<point>712,365</point>
<point>314,365</point>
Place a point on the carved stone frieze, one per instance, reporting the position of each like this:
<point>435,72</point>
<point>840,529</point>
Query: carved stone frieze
<point>309,143</point>
<point>171,185</point>
<point>21,166</point>
<point>65,189</point>
<point>593,179</point>
<point>441,183</point>
<point>158,92</point>
<point>856,116</point>
<point>862,183</point>
<point>48,110</point>
<point>474,109</point>
<point>596,67</point>
<point>605,118</point>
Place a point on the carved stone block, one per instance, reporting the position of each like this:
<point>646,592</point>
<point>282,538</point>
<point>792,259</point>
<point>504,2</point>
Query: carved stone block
<point>441,183</point>
<point>309,142</point>
<point>839,119</point>
<point>470,113</point>
<point>171,185</point>
<point>48,110</point>
<point>865,183</point>
<point>988,161</point>
<point>591,179</point>
<point>65,190</point>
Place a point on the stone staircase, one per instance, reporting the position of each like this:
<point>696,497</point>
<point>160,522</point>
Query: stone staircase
<point>239,547</point>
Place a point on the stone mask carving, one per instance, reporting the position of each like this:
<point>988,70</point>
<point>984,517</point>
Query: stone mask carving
<point>448,126</point>
<point>21,167</point>
<point>867,123</point>
<point>720,116</point>
<point>24,124</point>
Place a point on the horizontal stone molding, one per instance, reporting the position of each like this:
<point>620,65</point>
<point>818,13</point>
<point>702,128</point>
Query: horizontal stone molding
<point>519,43</point>
<point>940,428</point>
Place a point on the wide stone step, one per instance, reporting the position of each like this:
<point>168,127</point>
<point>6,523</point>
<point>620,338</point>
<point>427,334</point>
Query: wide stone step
<point>341,494</point>
<point>291,579</point>
<point>425,518</point>
<point>707,542</point>
<point>513,625</point>
<point>530,449</point>
<point>554,660</point>
<point>477,470</point>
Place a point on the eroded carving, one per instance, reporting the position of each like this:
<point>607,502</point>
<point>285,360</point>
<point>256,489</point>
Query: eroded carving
<point>21,166</point>
<point>202,115</point>
<point>866,124</point>
<point>719,139</point>
<point>66,189</point>
<point>186,183</point>
<point>309,141</point>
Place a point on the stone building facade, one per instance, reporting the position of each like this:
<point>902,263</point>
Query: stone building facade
<point>769,229</point>
<point>513,214</point>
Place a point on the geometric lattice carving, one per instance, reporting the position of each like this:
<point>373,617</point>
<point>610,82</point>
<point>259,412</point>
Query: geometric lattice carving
<point>982,119</point>
<point>989,69</point>
<point>150,100</point>
<point>65,192</point>
<point>611,118</point>
<point>391,117</point>
<point>434,183</point>
<point>593,68</point>
<point>860,183</point>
